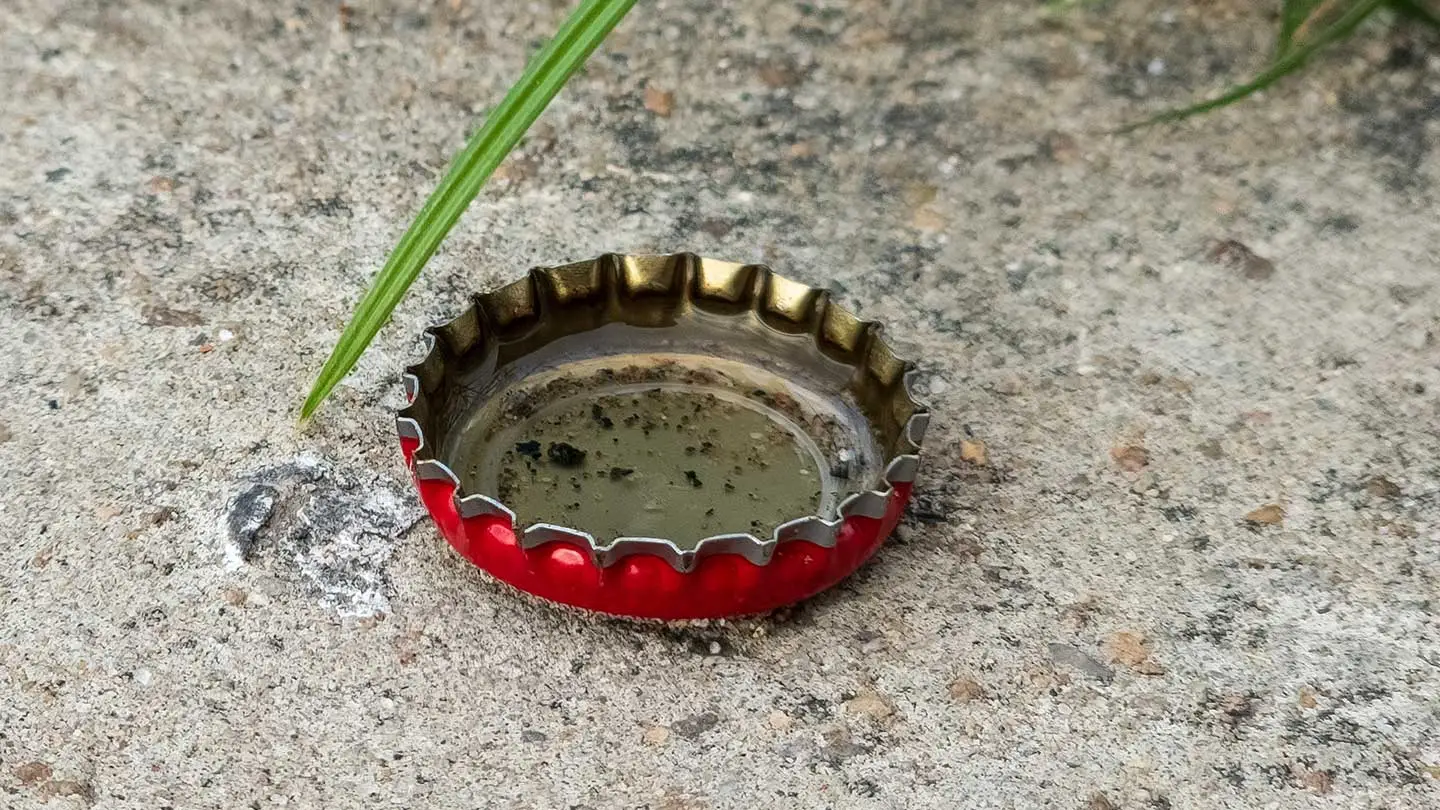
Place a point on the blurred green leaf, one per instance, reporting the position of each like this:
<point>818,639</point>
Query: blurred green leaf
<point>1293,14</point>
<point>546,73</point>
<point>1293,59</point>
<point>1418,9</point>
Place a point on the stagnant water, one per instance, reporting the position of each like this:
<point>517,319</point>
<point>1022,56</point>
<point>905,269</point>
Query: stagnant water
<point>674,462</point>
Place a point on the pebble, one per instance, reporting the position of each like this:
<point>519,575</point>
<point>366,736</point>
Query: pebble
<point>1068,657</point>
<point>1146,482</point>
<point>1268,515</point>
<point>656,735</point>
<point>1130,457</point>
<point>660,102</point>
<point>780,721</point>
<point>31,773</point>
<point>870,704</point>
<point>973,451</point>
<point>964,690</point>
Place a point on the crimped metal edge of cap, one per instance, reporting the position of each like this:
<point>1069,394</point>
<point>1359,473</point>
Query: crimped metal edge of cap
<point>786,306</point>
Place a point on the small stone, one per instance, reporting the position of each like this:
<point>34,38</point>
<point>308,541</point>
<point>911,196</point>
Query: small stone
<point>1068,657</point>
<point>965,690</point>
<point>802,150</point>
<point>780,721</point>
<point>80,790</point>
<point>777,74</point>
<point>1307,698</point>
<point>565,454</point>
<point>695,725</point>
<point>660,102</point>
<point>1130,457</point>
<point>144,676</point>
<point>234,597</point>
<point>159,517</point>
<point>1382,487</point>
<point>714,648</point>
<point>1132,650</point>
<point>160,184</point>
<point>1145,483</point>
<point>1237,255</point>
<point>870,704</point>
<point>5,434</point>
<point>106,512</point>
<point>1009,386</point>
<point>1268,515</point>
<point>1211,449</point>
<point>31,773</point>
<point>530,735</point>
<point>973,451</point>
<point>1311,780</point>
<point>1060,148</point>
<point>840,745</point>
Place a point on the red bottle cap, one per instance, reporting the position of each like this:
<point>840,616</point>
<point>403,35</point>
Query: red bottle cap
<point>663,437</point>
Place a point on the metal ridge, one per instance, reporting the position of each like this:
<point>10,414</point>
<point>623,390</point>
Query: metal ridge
<point>788,307</point>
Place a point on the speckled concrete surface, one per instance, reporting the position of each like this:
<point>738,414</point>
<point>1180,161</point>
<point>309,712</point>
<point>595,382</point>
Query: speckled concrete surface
<point>193,195</point>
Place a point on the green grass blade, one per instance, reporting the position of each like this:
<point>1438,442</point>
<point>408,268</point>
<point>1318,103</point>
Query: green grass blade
<point>581,33</point>
<point>1278,70</point>
<point>1293,14</point>
<point>1418,10</point>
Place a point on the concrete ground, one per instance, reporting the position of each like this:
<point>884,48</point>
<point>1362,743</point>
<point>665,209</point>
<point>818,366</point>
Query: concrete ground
<point>1196,565</point>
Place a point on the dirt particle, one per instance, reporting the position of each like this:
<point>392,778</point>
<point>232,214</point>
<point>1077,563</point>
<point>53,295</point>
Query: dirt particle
<point>839,744</point>
<point>530,449</point>
<point>965,690</point>
<point>870,703</point>
<point>1009,386</point>
<point>33,773</point>
<point>696,724</point>
<point>780,721</point>
<point>1236,707</point>
<point>61,787</point>
<point>1130,457</point>
<point>1268,515</point>
<point>565,454</point>
<point>1312,780</point>
<point>1382,487</point>
<point>1211,449</point>
<point>660,102</point>
<point>693,479</point>
<point>777,74</point>
<point>1132,650</point>
<point>973,451</point>
<point>616,473</point>
<point>150,520</point>
<point>1059,147</point>
<point>656,735</point>
<point>1236,255</point>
